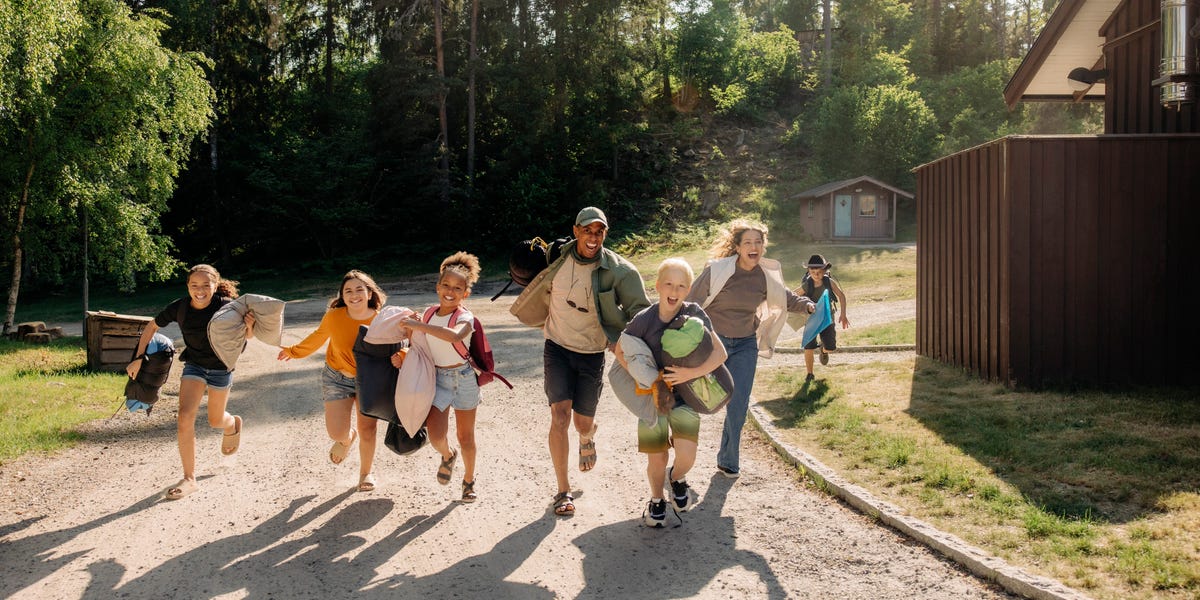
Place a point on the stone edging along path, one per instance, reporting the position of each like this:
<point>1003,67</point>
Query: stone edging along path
<point>973,559</point>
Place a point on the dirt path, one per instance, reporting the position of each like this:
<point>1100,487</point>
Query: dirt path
<point>279,521</point>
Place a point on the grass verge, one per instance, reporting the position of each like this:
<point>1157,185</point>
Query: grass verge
<point>886,334</point>
<point>45,391</point>
<point>1098,490</point>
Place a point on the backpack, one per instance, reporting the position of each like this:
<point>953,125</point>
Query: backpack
<point>809,288</point>
<point>479,354</point>
<point>530,257</point>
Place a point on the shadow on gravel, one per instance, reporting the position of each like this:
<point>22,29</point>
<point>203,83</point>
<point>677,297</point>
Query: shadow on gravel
<point>630,560</point>
<point>266,570</point>
<point>479,576</point>
<point>31,559</point>
<point>330,561</point>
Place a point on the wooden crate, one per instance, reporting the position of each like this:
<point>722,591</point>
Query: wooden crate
<point>112,339</point>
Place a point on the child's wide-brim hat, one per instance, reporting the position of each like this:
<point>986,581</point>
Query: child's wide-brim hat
<point>817,261</point>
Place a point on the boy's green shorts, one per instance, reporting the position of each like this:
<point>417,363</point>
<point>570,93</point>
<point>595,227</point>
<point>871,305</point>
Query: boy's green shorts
<point>681,423</point>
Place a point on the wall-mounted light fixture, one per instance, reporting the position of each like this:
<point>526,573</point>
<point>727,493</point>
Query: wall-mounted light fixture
<point>1082,78</point>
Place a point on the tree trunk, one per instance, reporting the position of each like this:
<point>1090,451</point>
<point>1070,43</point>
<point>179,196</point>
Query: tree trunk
<point>663,59</point>
<point>938,45</point>
<point>443,142</point>
<point>83,216</point>
<point>523,18</point>
<point>213,136</point>
<point>827,26</point>
<point>559,26</point>
<point>471,95</point>
<point>329,8</point>
<point>1000,25</point>
<point>15,286</point>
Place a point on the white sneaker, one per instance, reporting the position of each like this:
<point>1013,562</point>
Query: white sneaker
<point>682,494</point>
<point>656,513</point>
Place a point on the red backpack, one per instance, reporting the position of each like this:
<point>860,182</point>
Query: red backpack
<point>479,355</point>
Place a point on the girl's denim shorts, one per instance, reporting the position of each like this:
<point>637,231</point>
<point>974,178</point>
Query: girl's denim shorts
<point>216,379</point>
<point>456,386</point>
<point>336,386</point>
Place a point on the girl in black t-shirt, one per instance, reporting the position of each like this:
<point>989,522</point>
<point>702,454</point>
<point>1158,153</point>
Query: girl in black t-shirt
<point>202,370</point>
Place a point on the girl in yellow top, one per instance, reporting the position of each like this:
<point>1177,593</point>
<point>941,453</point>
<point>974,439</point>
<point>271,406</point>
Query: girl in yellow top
<point>358,301</point>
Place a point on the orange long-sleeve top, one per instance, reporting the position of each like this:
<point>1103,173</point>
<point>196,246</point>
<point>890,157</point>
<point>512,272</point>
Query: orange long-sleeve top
<point>340,330</point>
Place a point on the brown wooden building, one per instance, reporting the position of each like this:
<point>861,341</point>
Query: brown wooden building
<point>1070,259</point>
<point>862,209</point>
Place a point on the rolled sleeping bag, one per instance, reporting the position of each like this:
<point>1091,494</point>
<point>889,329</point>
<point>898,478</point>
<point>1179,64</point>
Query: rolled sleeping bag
<point>227,328</point>
<point>156,365</point>
<point>376,377</point>
<point>625,388</point>
<point>691,345</point>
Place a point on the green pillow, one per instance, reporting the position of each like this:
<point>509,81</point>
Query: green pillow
<point>683,341</point>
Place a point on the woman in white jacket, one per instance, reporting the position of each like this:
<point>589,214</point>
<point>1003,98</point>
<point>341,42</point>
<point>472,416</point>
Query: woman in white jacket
<point>745,296</point>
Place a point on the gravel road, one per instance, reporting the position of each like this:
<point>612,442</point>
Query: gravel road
<point>277,520</point>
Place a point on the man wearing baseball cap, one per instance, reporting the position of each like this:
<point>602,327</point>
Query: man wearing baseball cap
<point>582,302</point>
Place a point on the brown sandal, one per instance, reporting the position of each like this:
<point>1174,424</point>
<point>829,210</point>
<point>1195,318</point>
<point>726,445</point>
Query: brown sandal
<point>446,469</point>
<point>564,505</point>
<point>469,492</point>
<point>587,451</point>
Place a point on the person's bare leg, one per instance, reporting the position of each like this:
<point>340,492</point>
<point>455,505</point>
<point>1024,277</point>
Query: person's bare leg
<point>586,426</point>
<point>685,457</point>
<point>337,419</point>
<point>438,425</point>
<point>368,434</point>
<point>560,419</point>
<point>656,473</point>
<point>191,392</point>
<point>464,428</point>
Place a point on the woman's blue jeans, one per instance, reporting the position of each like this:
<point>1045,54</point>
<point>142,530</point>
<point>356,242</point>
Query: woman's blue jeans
<point>742,363</point>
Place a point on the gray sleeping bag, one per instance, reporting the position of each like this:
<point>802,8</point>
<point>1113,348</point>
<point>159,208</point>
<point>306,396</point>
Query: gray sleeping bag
<point>227,329</point>
<point>644,372</point>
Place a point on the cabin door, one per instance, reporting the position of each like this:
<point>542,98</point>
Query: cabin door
<point>841,215</point>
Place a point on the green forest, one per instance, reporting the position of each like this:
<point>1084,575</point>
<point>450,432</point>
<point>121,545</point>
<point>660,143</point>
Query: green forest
<point>138,135</point>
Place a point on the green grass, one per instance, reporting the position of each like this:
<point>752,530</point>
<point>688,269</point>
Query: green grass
<point>886,334</point>
<point>46,391</point>
<point>1099,490</point>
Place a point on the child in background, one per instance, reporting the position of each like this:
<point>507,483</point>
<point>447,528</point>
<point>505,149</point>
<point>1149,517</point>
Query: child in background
<point>456,385</point>
<point>814,284</point>
<point>357,302</point>
<point>202,370</point>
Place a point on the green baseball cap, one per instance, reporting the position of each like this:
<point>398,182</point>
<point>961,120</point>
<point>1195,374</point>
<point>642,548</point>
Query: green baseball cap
<point>590,215</point>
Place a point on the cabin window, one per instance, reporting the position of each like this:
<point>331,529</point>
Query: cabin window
<point>866,206</point>
<point>812,207</point>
